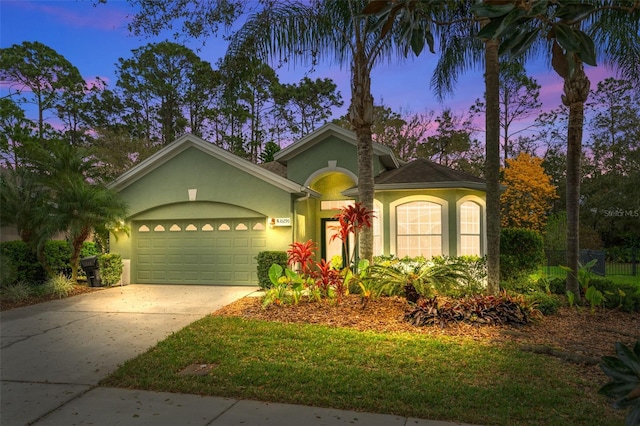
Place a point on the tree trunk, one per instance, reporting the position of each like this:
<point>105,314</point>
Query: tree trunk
<point>576,92</point>
<point>492,164</point>
<point>361,116</point>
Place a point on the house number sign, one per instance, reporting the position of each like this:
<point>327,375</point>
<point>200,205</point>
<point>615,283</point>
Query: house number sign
<point>283,221</point>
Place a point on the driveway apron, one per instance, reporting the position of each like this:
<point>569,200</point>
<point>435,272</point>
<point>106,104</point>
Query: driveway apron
<point>53,352</point>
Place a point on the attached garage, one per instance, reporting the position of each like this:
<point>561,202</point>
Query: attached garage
<point>200,215</point>
<point>216,251</point>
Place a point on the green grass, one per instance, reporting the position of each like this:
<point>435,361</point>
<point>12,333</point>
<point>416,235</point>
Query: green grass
<point>403,374</point>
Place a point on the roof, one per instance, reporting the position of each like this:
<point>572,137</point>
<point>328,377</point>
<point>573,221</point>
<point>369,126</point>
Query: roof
<point>422,173</point>
<point>275,167</point>
<point>385,153</point>
<point>190,141</point>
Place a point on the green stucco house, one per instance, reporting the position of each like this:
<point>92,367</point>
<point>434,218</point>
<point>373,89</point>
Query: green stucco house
<point>200,215</point>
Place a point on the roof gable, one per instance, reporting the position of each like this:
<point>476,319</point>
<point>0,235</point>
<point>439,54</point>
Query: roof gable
<point>188,141</point>
<point>385,154</point>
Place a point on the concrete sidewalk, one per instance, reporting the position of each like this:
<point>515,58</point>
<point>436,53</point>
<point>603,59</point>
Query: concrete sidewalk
<point>54,354</point>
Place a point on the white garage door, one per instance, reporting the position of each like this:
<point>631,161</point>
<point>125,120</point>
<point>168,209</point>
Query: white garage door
<point>217,251</point>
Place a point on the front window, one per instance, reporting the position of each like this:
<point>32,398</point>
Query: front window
<point>419,229</point>
<point>470,229</point>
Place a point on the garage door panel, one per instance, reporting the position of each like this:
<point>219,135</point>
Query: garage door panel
<point>199,252</point>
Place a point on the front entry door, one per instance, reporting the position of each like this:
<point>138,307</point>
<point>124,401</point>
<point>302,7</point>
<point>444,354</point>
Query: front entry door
<point>330,247</point>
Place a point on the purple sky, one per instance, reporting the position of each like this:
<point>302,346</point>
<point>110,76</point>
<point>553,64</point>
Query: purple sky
<point>93,38</point>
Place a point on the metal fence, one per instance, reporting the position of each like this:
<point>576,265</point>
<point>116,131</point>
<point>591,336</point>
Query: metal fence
<point>602,266</point>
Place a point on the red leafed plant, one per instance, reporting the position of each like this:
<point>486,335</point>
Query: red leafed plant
<point>352,219</point>
<point>326,278</point>
<point>302,254</point>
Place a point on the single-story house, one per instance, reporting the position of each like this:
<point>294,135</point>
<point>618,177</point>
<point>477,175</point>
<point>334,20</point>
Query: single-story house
<point>200,215</point>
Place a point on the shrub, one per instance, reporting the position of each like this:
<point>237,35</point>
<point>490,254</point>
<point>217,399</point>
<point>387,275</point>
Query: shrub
<point>58,256</point>
<point>623,296</point>
<point>558,285</point>
<point>8,271</point>
<point>547,304</point>
<point>265,260</point>
<point>521,252</point>
<point>89,248</point>
<point>27,267</point>
<point>59,286</point>
<point>16,292</point>
<point>110,268</point>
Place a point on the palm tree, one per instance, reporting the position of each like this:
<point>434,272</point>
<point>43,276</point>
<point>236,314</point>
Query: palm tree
<point>570,35</point>
<point>75,204</point>
<point>338,31</point>
<point>458,25</point>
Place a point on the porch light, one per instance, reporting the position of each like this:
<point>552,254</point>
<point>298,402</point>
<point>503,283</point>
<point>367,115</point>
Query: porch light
<point>192,194</point>
<point>272,222</point>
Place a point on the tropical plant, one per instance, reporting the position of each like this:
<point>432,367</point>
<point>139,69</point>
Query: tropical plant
<point>338,30</point>
<point>300,255</point>
<point>624,372</point>
<point>352,219</point>
<point>571,34</point>
<point>415,279</point>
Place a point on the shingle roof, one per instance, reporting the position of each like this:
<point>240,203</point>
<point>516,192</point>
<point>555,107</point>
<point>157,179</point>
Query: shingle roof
<point>422,171</point>
<point>275,167</point>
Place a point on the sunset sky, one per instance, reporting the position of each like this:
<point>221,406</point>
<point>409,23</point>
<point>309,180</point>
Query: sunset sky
<point>93,38</point>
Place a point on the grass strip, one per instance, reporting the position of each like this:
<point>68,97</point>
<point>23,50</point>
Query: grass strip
<point>403,374</point>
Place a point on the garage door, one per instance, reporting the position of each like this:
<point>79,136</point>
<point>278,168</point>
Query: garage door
<point>220,251</point>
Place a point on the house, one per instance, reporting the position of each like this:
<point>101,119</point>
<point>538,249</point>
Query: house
<point>200,215</point>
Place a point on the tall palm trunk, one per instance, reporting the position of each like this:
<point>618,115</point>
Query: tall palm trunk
<point>361,115</point>
<point>576,92</point>
<point>492,163</point>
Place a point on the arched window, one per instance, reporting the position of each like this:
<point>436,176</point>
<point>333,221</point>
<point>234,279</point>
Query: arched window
<point>470,217</point>
<point>419,230</point>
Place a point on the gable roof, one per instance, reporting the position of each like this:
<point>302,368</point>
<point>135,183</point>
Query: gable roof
<point>385,153</point>
<point>422,173</point>
<point>190,141</point>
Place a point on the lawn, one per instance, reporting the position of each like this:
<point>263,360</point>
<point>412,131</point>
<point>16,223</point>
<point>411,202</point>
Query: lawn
<point>407,374</point>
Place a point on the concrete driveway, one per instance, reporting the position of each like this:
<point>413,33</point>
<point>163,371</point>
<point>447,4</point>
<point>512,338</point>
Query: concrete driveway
<point>54,352</point>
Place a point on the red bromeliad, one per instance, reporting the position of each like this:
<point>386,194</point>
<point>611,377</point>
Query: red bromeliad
<point>302,253</point>
<point>352,219</point>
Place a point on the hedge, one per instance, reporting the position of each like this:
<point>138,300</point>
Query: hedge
<point>521,252</point>
<point>265,260</point>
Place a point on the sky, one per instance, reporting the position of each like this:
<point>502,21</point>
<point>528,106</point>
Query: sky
<point>93,38</point>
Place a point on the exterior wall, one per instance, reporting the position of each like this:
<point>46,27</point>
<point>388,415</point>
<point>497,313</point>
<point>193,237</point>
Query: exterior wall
<point>316,158</point>
<point>452,198</point>
<point>223,191</point>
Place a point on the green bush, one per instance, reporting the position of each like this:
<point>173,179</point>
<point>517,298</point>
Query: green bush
<point>58,256</point>
<point>265,260</point>
<point>27,267</point>
<point>548,304</point>
<point>558,285</point>
<point>8,271</point>
<point>89,248</point>
<point>110,268</point>
<point>521,253</point>
<point>623,296</point>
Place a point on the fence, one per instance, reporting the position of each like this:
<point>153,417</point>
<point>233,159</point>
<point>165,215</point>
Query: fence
<point>602,267</point>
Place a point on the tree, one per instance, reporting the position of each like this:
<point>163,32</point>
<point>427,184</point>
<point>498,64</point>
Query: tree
<point>461,48</point>
<point>337,30</point>
<point>76,206</point>
<point>518,100</point>
<point>571,33</point>
<point>35,73</point>
<point>451,145</point>
<point>160,86</point>
<point>306,105</point>
<point>529,194</point>
<point>401,131</point>
<point>611,172</point>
